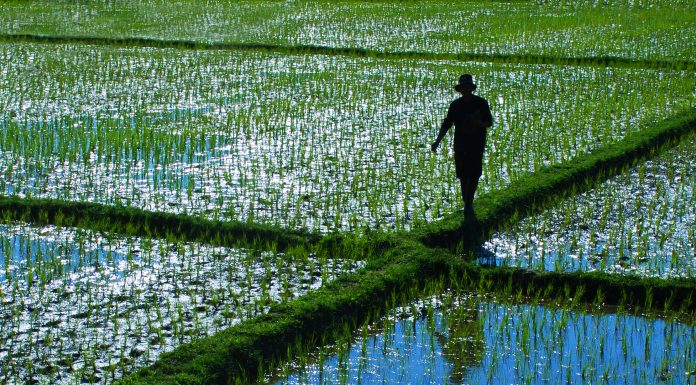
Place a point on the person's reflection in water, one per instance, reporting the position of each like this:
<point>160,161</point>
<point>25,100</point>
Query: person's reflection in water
<point>464,346</point>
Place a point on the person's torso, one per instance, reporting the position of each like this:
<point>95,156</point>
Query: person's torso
<point>464,112</point>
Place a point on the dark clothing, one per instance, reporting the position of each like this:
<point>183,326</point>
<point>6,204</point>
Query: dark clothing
<point>470,119</point>
<point>468,165</point>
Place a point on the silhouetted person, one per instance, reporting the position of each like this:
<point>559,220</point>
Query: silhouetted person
<point>471,117</point>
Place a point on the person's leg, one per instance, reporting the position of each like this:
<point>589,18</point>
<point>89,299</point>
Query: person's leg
<point>468,172</point>
<point>475,172</point>
<point>463,183</point>
<point>471,186</point>
<point>460,163</point>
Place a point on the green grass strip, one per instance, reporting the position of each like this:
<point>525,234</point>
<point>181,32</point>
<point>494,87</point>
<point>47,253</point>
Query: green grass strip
<point>601,61</point>
<point>673,296</point>
<point>239,354</point>
<point>136,222</point>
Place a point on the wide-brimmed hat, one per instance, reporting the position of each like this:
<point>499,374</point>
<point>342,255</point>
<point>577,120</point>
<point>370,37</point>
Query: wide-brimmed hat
<point>464,80</point>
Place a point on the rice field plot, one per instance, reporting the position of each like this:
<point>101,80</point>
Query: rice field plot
<point>304,141</point>
<point>641,222</point>
<point>79,306</point>
<point>636,30</point>
<point>472,339</point>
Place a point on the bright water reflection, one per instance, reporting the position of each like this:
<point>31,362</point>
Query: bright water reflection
<point>641,222</point>
<point>303,141</point>
<point>473,340</point>
<point>80,306</point>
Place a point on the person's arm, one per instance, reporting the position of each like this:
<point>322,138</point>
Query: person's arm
<point>446,125</point>
<point>487,119</point>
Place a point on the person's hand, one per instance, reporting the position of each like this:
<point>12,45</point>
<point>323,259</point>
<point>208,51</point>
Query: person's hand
<point>433,147</point>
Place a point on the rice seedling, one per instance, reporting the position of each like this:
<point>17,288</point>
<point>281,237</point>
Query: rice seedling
<point>640,222</point>
<point>333,143</point>
<point>307,141</point>
<point>646,30</point>
<point>464,338</point>
<point>79,305</point>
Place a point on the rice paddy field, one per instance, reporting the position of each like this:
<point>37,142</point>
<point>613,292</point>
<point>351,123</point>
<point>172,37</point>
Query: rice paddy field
<point>314,120</point>
<point>303,141</point>
<point>469,339</point>
<point>644,29</point>
<point>82,306</point>
<point>650,234</point>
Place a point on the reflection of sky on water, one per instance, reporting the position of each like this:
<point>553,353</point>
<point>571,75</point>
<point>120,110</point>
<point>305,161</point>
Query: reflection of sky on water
<point>71,256</point>
<point>516,344</point>
<point>408,342</point>
<point>29,252</point>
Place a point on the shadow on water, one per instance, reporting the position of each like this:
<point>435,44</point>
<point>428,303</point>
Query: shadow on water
<point>472,234</point>
<point>31,254</point>
<point>485,257</point>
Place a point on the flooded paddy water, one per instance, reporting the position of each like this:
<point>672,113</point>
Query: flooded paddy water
<point>640,222</point>
<point>631,29</point>
<point>471,339</point>
<point>84,306</point>
<point>333,143</point>
<point>302,141</point>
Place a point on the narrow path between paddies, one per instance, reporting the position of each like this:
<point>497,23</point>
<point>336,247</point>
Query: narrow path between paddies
<point>599,61</point>
<point>134,221</point>
<point>241,353</point>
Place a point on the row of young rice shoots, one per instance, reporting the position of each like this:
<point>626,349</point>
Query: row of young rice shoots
<point>464,338</point>
<point>305,141</point>
<point>643,30</point>
<point>79,306</point>
<point>642,221</point>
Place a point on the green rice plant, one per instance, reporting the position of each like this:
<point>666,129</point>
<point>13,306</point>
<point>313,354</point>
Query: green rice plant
<point>320,142</point>
<point>647,30</point>
<point>640,222</point>
<point>131,298</point>
<point>430,337</point>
